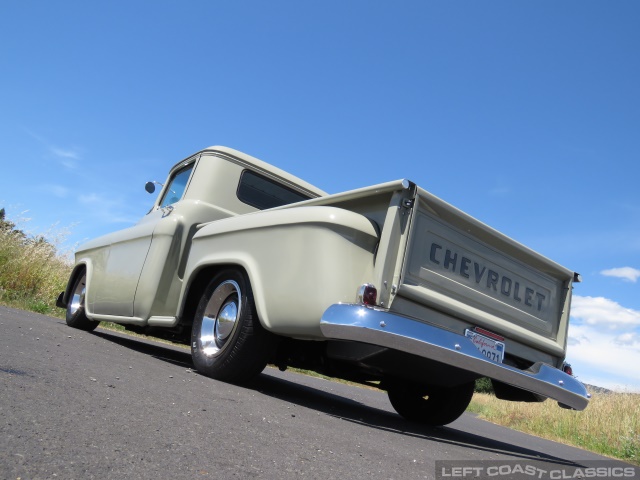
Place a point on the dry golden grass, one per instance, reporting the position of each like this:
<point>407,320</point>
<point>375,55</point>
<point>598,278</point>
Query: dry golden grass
<point>32,273</point>
<point>610,425</point>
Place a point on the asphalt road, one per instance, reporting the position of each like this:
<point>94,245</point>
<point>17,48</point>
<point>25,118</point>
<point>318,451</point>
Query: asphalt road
<point>76,405</point>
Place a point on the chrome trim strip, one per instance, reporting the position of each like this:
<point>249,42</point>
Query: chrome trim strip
<point>377,327</point>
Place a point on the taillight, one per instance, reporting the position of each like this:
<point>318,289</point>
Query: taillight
<point>566,368</point>
<point>367,294</point>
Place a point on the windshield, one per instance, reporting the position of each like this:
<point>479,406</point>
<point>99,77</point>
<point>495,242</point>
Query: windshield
<point>176,186</point>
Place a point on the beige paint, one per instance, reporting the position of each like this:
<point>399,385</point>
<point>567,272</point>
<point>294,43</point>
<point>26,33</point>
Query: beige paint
<point>305,257</point>
<point>299,261</point>
<point>527,301</point>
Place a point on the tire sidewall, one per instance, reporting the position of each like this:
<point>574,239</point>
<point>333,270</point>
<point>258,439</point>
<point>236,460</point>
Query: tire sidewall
<point>72,318</point>
<point>79,319</point>
<point>213,365</point>
<point>443,405</point>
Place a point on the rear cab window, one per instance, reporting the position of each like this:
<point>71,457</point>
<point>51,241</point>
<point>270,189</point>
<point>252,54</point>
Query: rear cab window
<point>263,193</point>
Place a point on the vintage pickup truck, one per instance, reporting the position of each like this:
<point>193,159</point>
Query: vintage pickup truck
<point>386,285</point>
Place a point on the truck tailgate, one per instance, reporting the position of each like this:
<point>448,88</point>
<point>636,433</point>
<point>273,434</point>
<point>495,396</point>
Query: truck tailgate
<point>456,265</point>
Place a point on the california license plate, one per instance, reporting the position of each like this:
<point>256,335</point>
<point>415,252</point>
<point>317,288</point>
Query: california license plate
<point>490,348</point>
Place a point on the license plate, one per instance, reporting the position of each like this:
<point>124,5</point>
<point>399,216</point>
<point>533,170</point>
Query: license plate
<point>490,348</point>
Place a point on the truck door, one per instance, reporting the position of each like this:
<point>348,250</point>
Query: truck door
<point>129,249</point>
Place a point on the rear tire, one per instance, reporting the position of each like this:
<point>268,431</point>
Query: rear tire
<point>227,340</point>
<point>434,406</point>
<point>76,317</point>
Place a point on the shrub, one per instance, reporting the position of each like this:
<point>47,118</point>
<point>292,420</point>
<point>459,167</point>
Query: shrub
<point>32,272</point>
<point>483,385</point>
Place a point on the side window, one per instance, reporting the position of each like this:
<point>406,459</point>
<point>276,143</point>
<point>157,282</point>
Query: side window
<point>263,193</point>
<point>176,186</point>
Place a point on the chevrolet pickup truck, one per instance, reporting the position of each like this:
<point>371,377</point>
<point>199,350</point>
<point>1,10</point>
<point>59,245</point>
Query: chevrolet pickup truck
<point>386,285</point>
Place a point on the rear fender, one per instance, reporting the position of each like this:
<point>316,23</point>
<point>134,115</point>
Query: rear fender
<point>298,260</point>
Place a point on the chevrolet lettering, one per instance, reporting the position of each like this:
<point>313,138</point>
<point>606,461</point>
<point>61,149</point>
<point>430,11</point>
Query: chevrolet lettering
<point>386,285</point>
<point>487,277</point>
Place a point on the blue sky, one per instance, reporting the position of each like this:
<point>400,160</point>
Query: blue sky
<point>524,114</point>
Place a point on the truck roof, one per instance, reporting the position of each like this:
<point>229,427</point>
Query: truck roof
<point>263,166</point>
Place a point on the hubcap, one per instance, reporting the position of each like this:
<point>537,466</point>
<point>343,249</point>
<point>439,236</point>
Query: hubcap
<point>220,318</point>
<point>77,298</point>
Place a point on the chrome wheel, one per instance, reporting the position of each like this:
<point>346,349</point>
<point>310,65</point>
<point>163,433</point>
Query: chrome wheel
<point>76,314</point>
<point>227,340</point>
<point>220,318</point>
<point>77,297</point>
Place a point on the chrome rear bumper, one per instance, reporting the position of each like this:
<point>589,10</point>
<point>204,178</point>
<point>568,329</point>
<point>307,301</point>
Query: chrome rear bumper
<point>362,324</point>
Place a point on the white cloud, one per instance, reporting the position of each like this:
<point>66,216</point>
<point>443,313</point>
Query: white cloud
<point>57,190</point>
<point>629,338</point>
<point>611,382</point>
<point>577,340</point>
<point>603,343</point>
<point>604,313</point>
<point>628,274</point>
<point>68,157</point>
<point>601,359</point>
<point>91,198</point>
<point>64,153</point>
<point>107,209</point>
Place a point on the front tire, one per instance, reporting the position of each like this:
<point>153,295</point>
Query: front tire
<point>434,406</point>
<point>76,316</point>
<point>227,341</point>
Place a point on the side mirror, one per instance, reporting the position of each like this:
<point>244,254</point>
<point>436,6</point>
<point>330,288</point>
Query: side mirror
<point>150,187</point>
